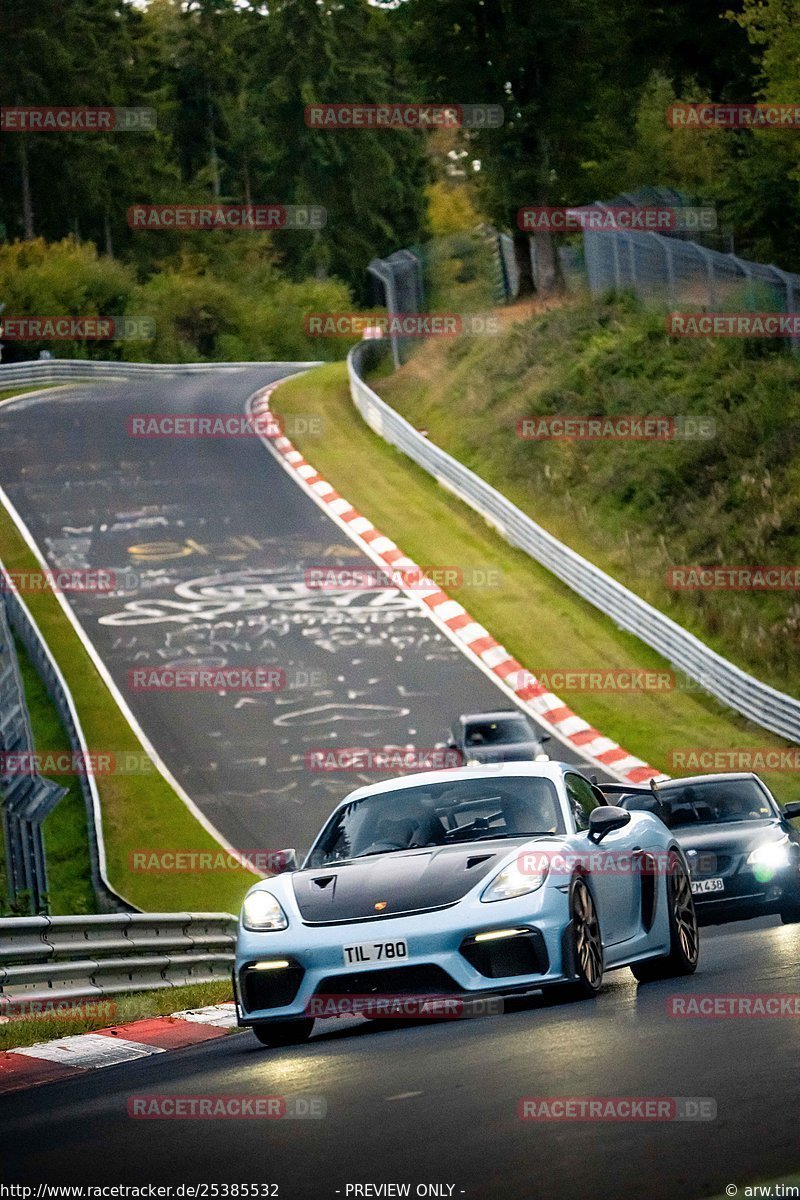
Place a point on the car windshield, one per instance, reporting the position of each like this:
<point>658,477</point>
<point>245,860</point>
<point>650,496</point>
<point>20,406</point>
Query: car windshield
<point>497,733</point>
<point>712,803</point>
<point>439,814</point>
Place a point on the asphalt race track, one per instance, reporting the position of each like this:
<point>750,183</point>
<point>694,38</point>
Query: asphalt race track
<point>437,1103</point>
<point>219,538</point>
<point>214,539</point>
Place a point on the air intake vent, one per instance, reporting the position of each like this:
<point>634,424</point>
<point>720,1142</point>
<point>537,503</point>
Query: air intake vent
<point>474,859</point>
<point>323,880</point>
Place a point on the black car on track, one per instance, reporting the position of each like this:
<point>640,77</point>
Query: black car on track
<point>742,849</point>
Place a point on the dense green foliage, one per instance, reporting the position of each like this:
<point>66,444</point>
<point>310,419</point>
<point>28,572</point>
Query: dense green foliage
<point>583,89</point>
<point>229,86</point>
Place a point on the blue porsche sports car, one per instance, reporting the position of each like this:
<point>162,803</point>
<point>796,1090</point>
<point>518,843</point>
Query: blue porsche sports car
<point>493,880</point>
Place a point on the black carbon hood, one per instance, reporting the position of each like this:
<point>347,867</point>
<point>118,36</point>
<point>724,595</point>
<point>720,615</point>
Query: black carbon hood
<point>406,881</point>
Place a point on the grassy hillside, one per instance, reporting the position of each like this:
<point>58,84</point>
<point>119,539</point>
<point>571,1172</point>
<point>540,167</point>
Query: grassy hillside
<point>637,508</point>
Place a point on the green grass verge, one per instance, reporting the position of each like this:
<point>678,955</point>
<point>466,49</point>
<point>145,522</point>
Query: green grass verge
<point>140,812</point>
<point>23,391</point>
<point>538,619</point>
<point>117,1010</point>
<point>66,840</point>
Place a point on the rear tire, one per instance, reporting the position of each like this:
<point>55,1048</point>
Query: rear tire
<point>284,1033</point>
<point>684,934</point>
<point>586,949</point>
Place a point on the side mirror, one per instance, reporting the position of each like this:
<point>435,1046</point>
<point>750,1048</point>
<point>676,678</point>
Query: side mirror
<point>286,861</point>
<point>790,811</point>
<point>605,820</point>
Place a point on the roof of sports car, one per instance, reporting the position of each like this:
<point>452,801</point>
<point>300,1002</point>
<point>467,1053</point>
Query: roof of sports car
<point>541,770</point>
<point>712,777</point>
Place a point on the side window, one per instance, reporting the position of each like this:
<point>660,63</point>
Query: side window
<point>582,800</point>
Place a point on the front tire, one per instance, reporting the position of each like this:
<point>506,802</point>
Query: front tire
<point>684,933</point>
<point>284,1033</point>
<point>585,947</point>
<point>790,916</point>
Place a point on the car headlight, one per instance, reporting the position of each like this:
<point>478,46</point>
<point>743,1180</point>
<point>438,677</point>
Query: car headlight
<point>261,911</point>
<point>771,856</point>
<point>512,882</point>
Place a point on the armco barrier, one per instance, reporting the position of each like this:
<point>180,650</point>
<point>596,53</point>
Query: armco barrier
<point>69,958</point>
<point>761,704</point>
<point>66,370</point>
<point>46,667</point>
<point>26,799</point>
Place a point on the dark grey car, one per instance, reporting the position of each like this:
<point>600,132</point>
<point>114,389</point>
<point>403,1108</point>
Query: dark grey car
<point>503,736</point>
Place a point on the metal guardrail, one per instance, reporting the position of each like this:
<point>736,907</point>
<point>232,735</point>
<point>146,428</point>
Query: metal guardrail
<point>64,370</point>
<point>27,631</point>
<point>71,958</point>
<point>732,686</point>
<point>26,798</point>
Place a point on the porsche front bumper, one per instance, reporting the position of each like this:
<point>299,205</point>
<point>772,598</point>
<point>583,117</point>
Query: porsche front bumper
<point>443,956</point>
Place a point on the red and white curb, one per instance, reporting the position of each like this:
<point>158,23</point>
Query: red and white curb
<point>471,638</point>
<point>47,1062</point>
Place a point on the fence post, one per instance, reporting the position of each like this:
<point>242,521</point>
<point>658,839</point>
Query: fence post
<point>709,264</point>
<point>788,282</point>
<point>632,257</point>
<point>383,274</point>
